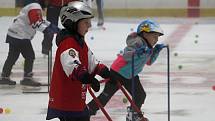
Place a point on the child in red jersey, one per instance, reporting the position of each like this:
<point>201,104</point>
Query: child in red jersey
<point>75,66</point>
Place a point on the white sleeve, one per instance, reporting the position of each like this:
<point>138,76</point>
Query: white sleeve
<point>92,61</point>
<point>41,25</point>
<point>69,60</point>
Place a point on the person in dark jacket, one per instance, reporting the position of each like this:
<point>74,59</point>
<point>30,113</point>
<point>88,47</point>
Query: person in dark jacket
<point>52,15</point>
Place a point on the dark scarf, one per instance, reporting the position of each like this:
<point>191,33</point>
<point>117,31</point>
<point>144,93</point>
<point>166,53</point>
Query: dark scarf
<point>64,33</point>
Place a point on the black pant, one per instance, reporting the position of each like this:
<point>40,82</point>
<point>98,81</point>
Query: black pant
<point>53,17</point>
<point>17,46</point>
<point>99,4</point>
<point>111,88</point>
<point>87,118</point>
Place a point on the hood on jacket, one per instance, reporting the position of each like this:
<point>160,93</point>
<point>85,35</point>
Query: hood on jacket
<point>64,33</point>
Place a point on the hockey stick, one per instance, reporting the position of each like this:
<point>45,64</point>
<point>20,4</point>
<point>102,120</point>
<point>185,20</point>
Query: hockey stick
<point>33,92</point>
<point>133,84</point>
<point>131,101</point>
<point>49,76</point>
<point>124,92</point>
<point>168,81</point>
<point>99,104</point>
<point>49,68</point>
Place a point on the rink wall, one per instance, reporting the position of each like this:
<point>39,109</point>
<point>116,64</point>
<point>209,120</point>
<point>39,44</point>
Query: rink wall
<point>139,8</point>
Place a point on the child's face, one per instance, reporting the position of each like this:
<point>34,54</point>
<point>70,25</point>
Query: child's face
<point>83,26</point>
<point>152,37</point>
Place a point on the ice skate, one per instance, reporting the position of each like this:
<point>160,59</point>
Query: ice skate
<point>134,116</point>
<point>30,84</point>
<point>138,118</point>
<point>100,23</point>
<point>28,80</point>
<point>6,82</point>
<point>100,26</point>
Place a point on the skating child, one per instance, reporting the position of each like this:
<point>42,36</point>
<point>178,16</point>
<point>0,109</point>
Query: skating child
<point>75,66</point>
<point>143,45</point>
<point>19,37</point>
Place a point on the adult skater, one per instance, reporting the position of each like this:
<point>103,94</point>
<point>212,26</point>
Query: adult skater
<point>52,15</point>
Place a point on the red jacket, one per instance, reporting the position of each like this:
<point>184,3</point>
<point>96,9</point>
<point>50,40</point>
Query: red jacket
<point>59,2</point>
<point>68,93</point>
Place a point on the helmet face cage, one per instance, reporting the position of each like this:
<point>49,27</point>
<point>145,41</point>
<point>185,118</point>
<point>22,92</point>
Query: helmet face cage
<point>75,11</point>
<point>149,26</point>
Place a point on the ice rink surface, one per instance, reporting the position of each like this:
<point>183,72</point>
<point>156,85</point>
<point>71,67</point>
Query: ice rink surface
<point>192,66</point>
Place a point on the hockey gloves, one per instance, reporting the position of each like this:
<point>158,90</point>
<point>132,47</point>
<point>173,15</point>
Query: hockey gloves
<point>103,71</point>
<point>86,78</point>
<point>159,47</point>
<point>51,29</point>
<point>95,85</point>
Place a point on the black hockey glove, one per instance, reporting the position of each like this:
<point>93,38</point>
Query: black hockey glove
<point>95,85</point>
<point>84,77</point>
<point>103,71</point>
<point>159,47</point>
<point>51,29</point>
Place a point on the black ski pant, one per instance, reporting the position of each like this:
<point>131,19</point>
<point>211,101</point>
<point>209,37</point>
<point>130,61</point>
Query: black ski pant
<point>53,17</point>
<point>111,88</point>
<point>17,46</point>
<point>99,4</point>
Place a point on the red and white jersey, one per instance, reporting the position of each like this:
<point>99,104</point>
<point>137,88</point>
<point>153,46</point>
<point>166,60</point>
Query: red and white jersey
<point>67,93</point>
<point>28,22</point>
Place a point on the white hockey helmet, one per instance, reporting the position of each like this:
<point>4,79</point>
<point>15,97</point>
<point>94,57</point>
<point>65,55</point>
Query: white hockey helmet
<point>74,12</point>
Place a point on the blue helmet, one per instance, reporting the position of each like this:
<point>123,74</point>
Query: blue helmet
<point>149,26</point>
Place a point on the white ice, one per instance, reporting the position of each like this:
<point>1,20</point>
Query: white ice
<point>192,97</point>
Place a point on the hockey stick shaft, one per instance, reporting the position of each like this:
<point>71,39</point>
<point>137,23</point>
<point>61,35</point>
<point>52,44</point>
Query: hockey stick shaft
<point>130,100</point>
<point>99,104</point>
<point>168,81</point>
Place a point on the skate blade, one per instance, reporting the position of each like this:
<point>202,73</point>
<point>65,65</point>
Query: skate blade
<point>5,86</point>
<point>31,88</point>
